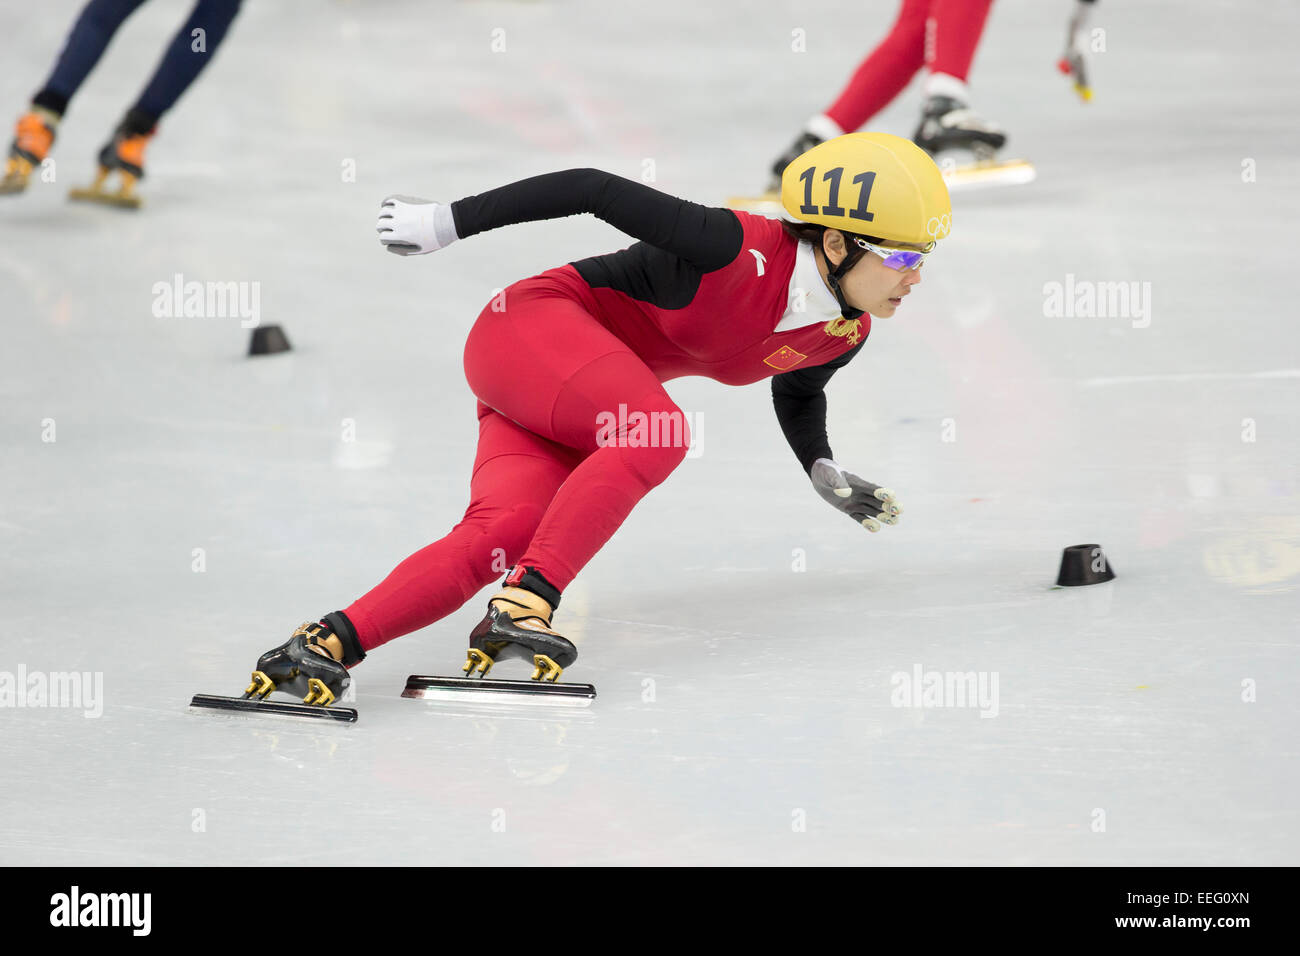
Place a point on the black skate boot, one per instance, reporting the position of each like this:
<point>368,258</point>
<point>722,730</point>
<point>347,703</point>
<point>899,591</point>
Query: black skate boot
<point>805,142</point>
<point>304,667</point>
<point>518,624</point>
<point>948,124</point>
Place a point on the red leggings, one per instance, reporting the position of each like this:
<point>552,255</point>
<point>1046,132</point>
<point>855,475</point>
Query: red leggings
<point>548,487</point>
<point>955,27</point>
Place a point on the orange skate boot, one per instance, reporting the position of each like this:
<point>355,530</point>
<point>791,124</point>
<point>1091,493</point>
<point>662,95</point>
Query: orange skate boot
<point>33,137</point>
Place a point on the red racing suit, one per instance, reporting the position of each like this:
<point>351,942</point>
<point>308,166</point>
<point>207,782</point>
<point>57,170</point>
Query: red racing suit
<point>568,367</point>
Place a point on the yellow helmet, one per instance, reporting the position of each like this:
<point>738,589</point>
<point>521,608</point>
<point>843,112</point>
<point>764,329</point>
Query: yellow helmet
<point>870,184</point>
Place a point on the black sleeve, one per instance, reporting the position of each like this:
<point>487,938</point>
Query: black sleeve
<point>800,401</point>
<point>707,237</point>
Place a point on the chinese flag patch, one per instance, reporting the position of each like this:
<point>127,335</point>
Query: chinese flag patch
<point>784,358</point>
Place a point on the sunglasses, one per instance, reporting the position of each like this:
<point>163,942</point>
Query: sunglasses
<point>901,259</point>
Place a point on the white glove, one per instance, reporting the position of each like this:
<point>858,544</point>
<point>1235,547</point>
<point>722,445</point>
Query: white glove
<point>412,227</point>
<point>868,504</point>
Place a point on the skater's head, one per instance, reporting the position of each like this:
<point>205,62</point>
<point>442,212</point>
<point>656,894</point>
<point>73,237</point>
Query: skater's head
<point>878,275</point>
<point>873,206</point>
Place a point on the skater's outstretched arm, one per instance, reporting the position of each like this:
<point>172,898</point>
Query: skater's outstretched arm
<point>707,237</point>
<point>800,401</point>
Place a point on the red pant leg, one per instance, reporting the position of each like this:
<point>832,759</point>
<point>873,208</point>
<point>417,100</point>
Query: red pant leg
<point>957,28</point>
<point>547,363</point>
<point>886,70</point>
<point>515,475</point>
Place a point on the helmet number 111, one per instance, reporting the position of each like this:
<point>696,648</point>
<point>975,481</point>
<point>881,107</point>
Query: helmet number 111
<point>832,176</point>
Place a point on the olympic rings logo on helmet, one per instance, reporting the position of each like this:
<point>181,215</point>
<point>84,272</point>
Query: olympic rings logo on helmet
<point>938,226</point>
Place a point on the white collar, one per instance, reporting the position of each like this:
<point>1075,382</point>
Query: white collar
<point>809,301</point>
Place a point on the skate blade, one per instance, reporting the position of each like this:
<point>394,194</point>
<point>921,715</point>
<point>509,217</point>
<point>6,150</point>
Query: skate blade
<point>99,196</point>
<point>764,204</point>
<point>499,691</point>
<point>123,197</point>
<point>1010,172</point>
<point>272,708</point>
<point>17,172</point>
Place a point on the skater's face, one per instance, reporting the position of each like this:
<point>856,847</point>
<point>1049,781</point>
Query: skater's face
<point>870,285</point>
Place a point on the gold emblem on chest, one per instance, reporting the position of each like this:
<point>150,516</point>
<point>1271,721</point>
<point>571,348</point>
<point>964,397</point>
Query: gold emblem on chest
<point>841,327</point>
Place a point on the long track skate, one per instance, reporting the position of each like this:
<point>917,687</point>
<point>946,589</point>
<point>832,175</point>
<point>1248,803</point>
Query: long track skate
<point>122,197</point>
<point>297,670</point>
<point>517,625</point>
<point>123,157</point>
<point>272,708</point>
<point>254,702</point>
<point>542,688</point>
<point>964,145</point>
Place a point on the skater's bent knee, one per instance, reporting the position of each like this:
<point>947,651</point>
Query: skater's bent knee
<point>655,439</point>
<point>502,538</point>
<point>653,465</point>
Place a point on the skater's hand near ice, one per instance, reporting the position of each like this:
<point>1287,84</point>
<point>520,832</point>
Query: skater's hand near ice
<point>1072,62</point>
<point>412,227</point>
<point>868,504</point>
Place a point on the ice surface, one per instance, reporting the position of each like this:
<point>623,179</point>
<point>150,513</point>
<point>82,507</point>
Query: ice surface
<point>745,711</point>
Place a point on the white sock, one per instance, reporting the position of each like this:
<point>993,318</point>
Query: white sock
<point>823,127</point>
<point>945,84</point>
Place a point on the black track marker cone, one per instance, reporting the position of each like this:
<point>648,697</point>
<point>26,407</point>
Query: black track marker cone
<point>1083,564</point>
<point>267,340</point>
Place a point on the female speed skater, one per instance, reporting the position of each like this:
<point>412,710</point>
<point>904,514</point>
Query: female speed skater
<point>706,291</point>
<point>189,52</point>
